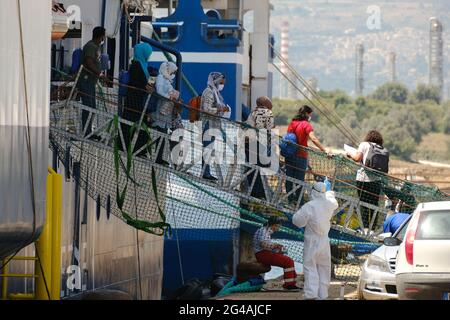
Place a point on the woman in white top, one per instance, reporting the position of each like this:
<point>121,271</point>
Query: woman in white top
<point>369,189</point>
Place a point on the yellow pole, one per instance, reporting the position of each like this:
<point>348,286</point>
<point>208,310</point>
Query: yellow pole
<point>55,291</point>
<point>5,281</point>
<point>44,247</point>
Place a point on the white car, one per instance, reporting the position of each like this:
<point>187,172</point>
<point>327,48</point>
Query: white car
<point>423,261</point>
<point>377,279</point>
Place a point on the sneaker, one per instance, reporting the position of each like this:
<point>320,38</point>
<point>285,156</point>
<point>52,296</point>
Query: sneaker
<point>291,287</point>
<point>210,178</point>
<point>162,162</point>
<point>95,137</point>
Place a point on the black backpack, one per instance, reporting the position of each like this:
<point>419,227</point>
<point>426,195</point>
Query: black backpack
<point>191,290</point>
<point>377,158</point>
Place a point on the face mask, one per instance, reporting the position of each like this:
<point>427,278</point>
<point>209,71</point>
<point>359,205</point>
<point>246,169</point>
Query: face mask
<point>172,76</point>
<point>102,43</point>
<point>309,119</point>
<point>221,86</point>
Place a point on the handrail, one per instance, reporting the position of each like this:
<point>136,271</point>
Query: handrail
<point>177,54</point>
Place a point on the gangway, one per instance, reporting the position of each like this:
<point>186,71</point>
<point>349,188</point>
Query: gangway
<point>111,164</point>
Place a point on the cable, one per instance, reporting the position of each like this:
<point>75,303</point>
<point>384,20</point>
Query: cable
<point>27,137</point>
<point>320,110</point>
<point>176,232</point>
<point>344,131</point>
<point>310,89</point>
<point>42,270</point>
<point>137,235</point>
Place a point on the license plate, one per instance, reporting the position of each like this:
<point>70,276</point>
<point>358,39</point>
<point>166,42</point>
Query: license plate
<point>446,296</point>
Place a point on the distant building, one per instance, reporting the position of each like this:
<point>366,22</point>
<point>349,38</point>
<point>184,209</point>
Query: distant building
<point>287,89</point>
<point>359,74</point>
<point>392,66</point>
<point>436,68</point>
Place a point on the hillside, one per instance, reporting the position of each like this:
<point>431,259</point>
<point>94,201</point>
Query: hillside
<point>323,36</point>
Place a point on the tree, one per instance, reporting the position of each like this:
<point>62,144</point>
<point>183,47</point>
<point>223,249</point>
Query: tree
<point>427,92</point>
<point>360,102</point>
<point>399,142</point>
<point>342,99</point>
<point>391,91</point>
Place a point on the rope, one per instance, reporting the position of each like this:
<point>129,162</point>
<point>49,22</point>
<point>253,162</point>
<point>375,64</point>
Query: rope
<point>343,131</point>
<point>300,147</point>
<point>176,234</point>
<point>28,143</point>
<point>314,93</point>
<point>137,238</point>
<point>42,270</point>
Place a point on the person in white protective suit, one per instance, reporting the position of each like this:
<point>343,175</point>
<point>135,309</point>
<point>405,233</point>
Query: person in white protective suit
<point>315,216</point>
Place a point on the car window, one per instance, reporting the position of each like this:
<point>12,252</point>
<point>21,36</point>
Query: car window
<point>402,230</point>
<point>434,225</point>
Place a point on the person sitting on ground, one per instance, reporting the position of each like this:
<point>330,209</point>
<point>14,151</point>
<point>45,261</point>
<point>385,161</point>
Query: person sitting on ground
<point>296,165</point>
<point>270,253</point>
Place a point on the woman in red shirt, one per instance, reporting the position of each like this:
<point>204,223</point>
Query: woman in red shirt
<point>296,165</point>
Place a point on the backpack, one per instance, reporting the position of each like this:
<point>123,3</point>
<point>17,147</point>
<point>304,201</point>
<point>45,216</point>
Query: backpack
<point>194,103</point>
<point>288,144</point>
<point>377,158</point>
<point>191,290</point>
<point>76,60</point>
<point>124,79</point>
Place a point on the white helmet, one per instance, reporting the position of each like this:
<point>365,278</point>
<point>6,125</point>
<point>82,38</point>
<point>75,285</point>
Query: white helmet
<point>318,190</point>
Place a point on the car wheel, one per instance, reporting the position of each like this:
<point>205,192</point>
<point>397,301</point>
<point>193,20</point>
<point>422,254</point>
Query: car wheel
<point>359,291</point>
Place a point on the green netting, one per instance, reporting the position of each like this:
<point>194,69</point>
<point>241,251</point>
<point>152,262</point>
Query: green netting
<point>121,165</point>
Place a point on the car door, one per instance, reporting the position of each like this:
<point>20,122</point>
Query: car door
<point>432,242</point>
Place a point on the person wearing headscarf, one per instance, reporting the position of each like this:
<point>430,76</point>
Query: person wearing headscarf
<point>262,119</point>
<point>166,115</point>
<point>213,103</point>
<point>315,216</point>
<point>137,92</point>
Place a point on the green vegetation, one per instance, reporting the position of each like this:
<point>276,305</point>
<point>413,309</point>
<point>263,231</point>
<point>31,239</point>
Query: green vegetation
<point>404,119</point>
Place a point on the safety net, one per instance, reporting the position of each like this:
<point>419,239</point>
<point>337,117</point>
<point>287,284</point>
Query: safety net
<point>150,168</point>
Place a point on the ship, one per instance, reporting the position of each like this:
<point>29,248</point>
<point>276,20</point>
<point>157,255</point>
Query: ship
<point>97,250</point>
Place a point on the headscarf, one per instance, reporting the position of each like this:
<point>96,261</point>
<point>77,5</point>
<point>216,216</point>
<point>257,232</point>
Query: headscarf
<point>167,68</point>
<point>318,190</point>
<point>142,52</point>
<point>214,79</point>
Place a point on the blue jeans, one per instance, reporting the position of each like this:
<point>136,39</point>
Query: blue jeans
<point>295,168</point>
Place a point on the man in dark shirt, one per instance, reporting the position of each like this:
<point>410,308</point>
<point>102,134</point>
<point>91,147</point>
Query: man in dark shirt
<point>90,59</point>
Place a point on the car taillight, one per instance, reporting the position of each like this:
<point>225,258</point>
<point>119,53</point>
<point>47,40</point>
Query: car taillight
<point>410,237</point>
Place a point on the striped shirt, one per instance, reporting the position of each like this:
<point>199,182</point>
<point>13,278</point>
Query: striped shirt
<point>261,235</point>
